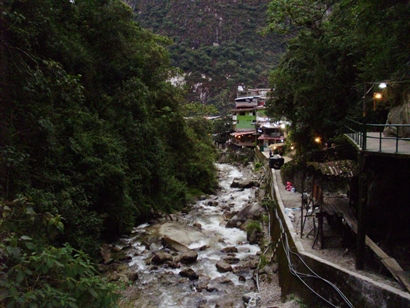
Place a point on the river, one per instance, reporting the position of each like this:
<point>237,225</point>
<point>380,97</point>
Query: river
<point>202,230</point>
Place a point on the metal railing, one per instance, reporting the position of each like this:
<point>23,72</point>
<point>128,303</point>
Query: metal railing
<point>364,133</point>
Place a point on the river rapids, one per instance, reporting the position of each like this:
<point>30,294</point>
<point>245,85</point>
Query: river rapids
<point>202,230</point>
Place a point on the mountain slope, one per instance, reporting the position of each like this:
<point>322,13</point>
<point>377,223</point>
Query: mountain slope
<point>216,43</point>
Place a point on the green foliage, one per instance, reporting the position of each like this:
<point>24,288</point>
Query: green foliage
<point>34,274</point>
<point>198,109</point>
<point>94,128</point>
<point>54,277</point>
<point>258,165</point>
<point>337,46</point>
<point>223,47</point>
<point>269,203</point>
<point>263,261</point>
<point>222,128</point>
<point>253,225</point>
<point>289,170</point>
<point>92,134</point>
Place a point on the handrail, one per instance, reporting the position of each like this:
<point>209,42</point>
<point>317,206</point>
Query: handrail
<point>362,131</point>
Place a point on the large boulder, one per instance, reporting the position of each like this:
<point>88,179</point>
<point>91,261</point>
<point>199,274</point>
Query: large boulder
<point>188,257</point>
<point>230,249</point>
<point>160,257</point>
<point>231,260</point>
<point>178,237</point>
<point>250,212</point>
<point>247,183</point>
<point>398,115</point>
<point>202,284</point>
<point>189,273</point>
<point>223,267</point>
<point>173,245</point>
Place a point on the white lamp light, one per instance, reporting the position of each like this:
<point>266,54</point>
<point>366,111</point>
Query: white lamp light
<point>382,85</point>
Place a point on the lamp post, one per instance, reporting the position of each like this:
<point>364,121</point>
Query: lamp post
<point>362,202</point>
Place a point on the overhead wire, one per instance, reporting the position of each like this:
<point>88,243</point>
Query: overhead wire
<point>299,275</point>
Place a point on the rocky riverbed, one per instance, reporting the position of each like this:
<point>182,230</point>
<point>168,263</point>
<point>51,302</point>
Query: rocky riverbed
<point>202,258</point>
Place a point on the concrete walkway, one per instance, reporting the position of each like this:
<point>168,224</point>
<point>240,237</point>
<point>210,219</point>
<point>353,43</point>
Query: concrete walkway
<point>334,252</point>
<point>388,146</point>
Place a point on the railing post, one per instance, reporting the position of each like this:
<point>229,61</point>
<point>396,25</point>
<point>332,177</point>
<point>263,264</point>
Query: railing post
<point>397,139</point>
<point>361,215</point>
<point>364,136</point>
<point>380,141</point>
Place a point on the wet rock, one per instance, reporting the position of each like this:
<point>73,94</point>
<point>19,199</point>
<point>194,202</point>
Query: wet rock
<point>189,273</point>
<point>238,183</point>
<point>116,248</point>
<point>213,203</point>
<point>203,304</point>
<point>241,278</point>
<point>105,251</point>
<point>233,223</point>
<point>179,236</point>
<point>222,280</point>
<point>153,268</point>
<point>173,264</point>
<point>229,249</point>
<point>215,284</point>
<point>185,210</point>
<point>223,267</point>
<point>132,276</point>
<point>241,269</point>
<point>125,258</point>
<point>251,211</point>
<point>231,260</point>
<point>254,236</point>
<point>188,257</point>
<point>252,299</point>
<point>160,257</point>
<point>197,225</point>
<point>211,288</point>
<point>202,248</point>
<point>172,244</point>
<point>267,269</point>
<point>252,263</point>
<point>202,284</point>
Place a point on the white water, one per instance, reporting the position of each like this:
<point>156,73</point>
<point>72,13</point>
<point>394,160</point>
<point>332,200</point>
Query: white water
<point>163,287</point>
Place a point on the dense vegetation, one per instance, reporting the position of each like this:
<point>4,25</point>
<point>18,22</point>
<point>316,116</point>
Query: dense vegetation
<point>337,47</point>
<point>92,141</point>
<point>217,44</point>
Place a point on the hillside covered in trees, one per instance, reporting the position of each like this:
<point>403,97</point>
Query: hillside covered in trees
<point>217,44</point>
<point>92,141</point>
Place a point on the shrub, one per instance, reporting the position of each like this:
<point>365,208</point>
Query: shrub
<point>53,277</point>
<point>253,225</point>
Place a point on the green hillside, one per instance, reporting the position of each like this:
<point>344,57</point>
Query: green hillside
<point>218,45</point>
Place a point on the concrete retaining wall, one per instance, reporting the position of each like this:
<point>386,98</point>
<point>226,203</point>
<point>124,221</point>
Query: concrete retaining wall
<point>360,290</point>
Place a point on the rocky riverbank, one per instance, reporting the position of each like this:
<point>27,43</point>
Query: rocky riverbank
<point>206,257</point>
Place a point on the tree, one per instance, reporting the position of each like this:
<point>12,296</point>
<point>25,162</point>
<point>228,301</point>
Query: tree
<point>336,46</point>
<point>92,136</point>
